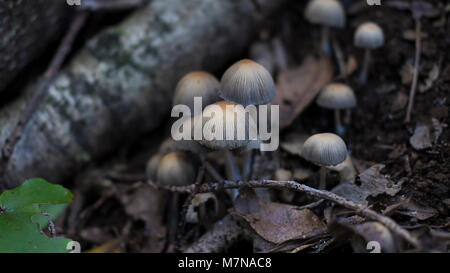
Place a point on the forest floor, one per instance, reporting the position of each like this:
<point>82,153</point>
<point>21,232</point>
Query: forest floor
<point>114,213</point>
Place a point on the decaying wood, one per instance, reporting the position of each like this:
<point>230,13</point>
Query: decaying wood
<point>26,28</point>
<point>120,84</point>
<point>41,92</point>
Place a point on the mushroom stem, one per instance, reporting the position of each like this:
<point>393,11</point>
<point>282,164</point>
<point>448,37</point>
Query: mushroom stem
<point>365,68</point>
<point>337,122</point>
<point>233,173</point>
<point>232,169</point>
<point>347,174</point>
<point>324,42</point>
<point>323,176</point>
<point>247,167</point>
<point>173,219</point>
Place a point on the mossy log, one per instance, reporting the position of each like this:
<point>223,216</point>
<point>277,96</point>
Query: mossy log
<point>26,28</point>
<point>120,84</point>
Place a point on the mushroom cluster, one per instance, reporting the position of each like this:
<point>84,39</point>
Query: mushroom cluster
<point>330,13</point>
<point>222,124</point>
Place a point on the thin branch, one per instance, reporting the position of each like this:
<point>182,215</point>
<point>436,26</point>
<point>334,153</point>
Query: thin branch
<point>41,93</point>
<point>293,185</point>
<point>412,92</point>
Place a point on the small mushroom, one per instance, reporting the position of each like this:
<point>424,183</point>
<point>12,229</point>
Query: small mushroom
<point>324,150</point>
<point>199,209</point>
<point>328,13</point>
<point>187,142</point>
<point>196,84</point>
<point>227,127</point>
<point>151,169</point>
<point>337,96</point>
<point>368,36</point>
<point>248,83</point>
<point>167,146</point>
<point>176,169</point>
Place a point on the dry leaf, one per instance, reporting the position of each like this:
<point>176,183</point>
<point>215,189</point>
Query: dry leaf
<point>413,209</point>
<point>144,203</point>
<point>410,35</point>
<point>371,183</point>
<point>433,75</point>
<point>297,87</point>
<point>417,8</point>
<point>421,139</point>
<point>278,223</point>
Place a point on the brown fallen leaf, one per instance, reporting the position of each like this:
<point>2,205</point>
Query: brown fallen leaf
<point>412,209</point>
<point>278,223</point>
<point>144,203</point>
<point>297,87</point>
<point>371,183</point>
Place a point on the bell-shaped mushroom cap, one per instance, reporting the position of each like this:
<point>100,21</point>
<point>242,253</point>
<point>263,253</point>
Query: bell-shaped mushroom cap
<point>229,127</point>
<point>197,84</point>
<point>167,146</point>
<point>336,96</point>
<point>151,169</point>
<point>325,149</point>
<point>191,144</point>
<point>175,169</point>
<point>369,35</point>
<point>325,12</point>
<point>247,82</point>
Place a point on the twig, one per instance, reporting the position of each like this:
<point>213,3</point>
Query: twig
<point>100,5</point>
<point>179,189</point>
<point>293,185</point>
<point>41,92</point>
<point>412,92</point>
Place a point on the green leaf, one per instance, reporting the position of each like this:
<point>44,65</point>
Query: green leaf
<point>19,230</point>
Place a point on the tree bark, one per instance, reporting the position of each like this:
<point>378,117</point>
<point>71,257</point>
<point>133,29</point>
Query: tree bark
<point>121,83</point>
<point>26,28</point>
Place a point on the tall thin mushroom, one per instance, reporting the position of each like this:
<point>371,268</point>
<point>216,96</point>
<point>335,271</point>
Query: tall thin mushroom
<point>337,96</point>
<point>328,13</point>
<point>247,83</point>
<point>368,36</point>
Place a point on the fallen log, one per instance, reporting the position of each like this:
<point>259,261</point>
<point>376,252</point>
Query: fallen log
<point>26,29</point>
<point>120,84</point>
